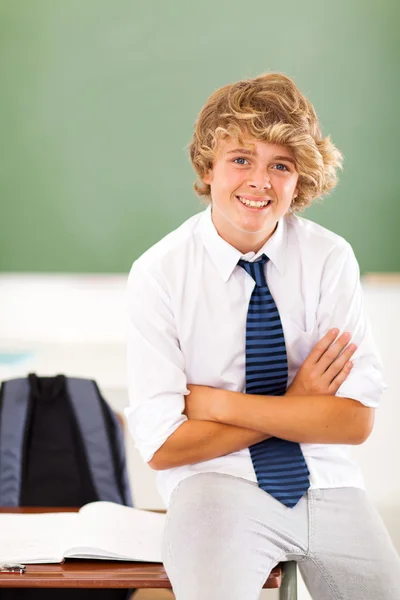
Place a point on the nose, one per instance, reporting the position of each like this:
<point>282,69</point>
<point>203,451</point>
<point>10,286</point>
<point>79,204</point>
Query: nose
<point>259,180</point>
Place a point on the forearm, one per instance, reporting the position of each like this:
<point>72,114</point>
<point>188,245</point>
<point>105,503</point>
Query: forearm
<point>320,419</point>
<point>196,441</point>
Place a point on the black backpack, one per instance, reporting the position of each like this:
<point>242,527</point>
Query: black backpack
<point>60,445</point>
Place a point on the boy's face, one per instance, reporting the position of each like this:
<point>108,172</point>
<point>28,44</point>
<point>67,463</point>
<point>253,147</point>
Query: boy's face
<point>258,172</point>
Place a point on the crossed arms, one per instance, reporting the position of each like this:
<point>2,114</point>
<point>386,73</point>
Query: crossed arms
<point>220,421</point>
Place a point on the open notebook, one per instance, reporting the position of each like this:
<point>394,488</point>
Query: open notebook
<point>100,530</point>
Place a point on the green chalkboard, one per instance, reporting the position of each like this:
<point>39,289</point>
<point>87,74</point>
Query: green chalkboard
<point>98,101</point>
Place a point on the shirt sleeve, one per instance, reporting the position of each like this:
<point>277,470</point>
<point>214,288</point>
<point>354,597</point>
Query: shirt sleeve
<point>341,305</point>
<point>156,374</point>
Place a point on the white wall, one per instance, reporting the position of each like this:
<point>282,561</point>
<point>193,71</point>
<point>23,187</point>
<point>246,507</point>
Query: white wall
<point>76,325</point>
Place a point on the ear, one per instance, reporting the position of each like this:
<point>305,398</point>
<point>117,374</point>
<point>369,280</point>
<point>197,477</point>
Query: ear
<point>207,178</point>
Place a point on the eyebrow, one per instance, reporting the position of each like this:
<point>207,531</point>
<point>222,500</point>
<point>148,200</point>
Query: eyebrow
<point>251,153</point>
<point>242,150</point>
<point>288,158</point>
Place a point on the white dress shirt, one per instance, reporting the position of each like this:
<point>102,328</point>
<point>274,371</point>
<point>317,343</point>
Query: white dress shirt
<point>187,302</point>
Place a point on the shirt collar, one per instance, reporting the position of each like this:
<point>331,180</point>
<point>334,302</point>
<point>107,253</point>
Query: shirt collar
<point>225,257</point>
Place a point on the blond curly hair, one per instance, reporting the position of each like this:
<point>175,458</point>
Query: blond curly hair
<point>269,108</point>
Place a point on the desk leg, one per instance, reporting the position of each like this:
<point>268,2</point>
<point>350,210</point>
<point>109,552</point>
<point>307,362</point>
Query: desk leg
<point>288,589</point>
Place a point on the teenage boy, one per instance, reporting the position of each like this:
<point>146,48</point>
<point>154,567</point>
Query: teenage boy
<point>243,394</point>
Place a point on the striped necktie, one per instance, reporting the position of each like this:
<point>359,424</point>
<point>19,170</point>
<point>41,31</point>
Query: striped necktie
<point>279,464</point>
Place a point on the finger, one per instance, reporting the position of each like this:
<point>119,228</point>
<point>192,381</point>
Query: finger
<point>321,347</point>
<point>333,351</point>
<point>339,362</point>
<point>340,378</point>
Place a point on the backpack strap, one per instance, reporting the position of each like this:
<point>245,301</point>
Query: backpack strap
<point>86,404</point>
<point>121,457</point>
<point>14,408</point>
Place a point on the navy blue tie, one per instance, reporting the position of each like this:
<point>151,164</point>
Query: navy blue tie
<point>279,464</point>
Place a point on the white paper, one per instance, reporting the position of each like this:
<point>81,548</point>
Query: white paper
<point>101,530</point>
<point>37,538</point>
<point>110,529</point>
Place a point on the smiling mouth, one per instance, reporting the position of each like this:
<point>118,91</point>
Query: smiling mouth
<point>254,205</point>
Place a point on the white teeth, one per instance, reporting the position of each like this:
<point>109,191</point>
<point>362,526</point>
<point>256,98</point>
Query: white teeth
<point>252,203</point>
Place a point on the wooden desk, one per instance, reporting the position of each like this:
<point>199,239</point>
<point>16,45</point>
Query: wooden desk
<point>97,573</point>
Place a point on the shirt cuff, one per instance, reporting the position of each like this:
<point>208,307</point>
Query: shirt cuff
<point>366,388</point>
<point>148,442</point>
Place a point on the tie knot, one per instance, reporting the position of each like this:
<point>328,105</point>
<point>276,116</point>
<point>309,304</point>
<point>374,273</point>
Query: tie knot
<point>256,269</point>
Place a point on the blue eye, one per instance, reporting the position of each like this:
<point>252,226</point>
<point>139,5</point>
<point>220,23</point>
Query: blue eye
<point>281,165</point>
<point>240,158</point>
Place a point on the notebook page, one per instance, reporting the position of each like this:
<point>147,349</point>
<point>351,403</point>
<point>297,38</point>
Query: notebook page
<point>34,538</point>
<point>111,530</point>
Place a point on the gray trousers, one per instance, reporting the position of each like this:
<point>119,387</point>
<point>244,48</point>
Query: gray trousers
<point>224,535</point>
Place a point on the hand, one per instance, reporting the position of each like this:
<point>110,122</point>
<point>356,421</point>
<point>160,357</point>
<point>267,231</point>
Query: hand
<point>324,371</point>
<point>201,402</point>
